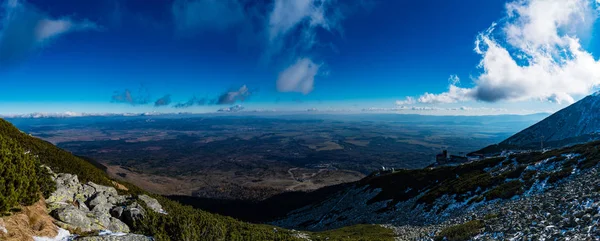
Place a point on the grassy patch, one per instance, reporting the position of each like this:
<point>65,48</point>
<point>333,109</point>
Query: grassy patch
<point>557,176</point>
<point>505,190</point>
<point>356,232</point>
<point>461,232</point>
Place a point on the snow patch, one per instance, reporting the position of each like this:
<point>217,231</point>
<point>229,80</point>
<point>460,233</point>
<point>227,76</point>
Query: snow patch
<point>63,235</point>
<point>110,233</point>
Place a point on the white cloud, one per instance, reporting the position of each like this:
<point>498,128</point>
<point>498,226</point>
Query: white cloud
<point>537,57</point>
<point>299,77</point>
<point>26,29</point>
<point>191,16</point>
<point>304,17</point>
<point>453,95</point>
<point>408,101</point>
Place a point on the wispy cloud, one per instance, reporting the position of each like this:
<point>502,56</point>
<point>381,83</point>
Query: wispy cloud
<point>127,96</point>
<point>163,101</point>
<point>26,29</point>
<point>304,17</point>
<point>533,54</point>
<point>287,29</point>
<point>299,77</point>
<point>191,102</point>
<point>233,96</point>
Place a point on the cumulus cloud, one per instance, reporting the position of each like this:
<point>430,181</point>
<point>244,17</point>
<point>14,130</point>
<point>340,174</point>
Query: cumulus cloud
<point>26,29</point>
<point>198,15</point>
<point>191,102</point>
<point>453,95</point>
<point>163,101</point>
<point>533,54</point>
<point>127,96</point>
<point>231,97</point>
<point>299,77</point>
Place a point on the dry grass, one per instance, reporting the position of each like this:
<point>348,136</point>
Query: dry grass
<point>119,186</point>
<point>30,221</point>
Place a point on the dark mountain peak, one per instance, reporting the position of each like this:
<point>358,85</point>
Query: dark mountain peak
<point>577,123</point>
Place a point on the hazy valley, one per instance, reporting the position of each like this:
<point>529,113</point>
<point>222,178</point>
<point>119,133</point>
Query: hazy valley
<point>253,158</point>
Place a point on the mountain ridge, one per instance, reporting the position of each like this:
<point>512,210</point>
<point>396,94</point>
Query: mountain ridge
<point>574,124</point>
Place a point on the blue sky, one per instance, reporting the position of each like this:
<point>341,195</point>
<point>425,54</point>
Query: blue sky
<point>401,56</point>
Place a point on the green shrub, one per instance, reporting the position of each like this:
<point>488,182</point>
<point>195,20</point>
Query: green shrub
<point>461,232</point>
<point>505,190</point>
<point>18,180</point>
<point>356,232</point>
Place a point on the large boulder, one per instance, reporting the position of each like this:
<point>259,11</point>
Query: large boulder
<point>67,186</point>
<point>152,203</point>
<point>133,213</point>
<point>107,191</point>
<point>73,218</point>
<point>117,225</point>
<point>126,237</point>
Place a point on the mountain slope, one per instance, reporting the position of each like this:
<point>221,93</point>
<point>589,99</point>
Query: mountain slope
<point>577,123</point>
<point>449,194</point>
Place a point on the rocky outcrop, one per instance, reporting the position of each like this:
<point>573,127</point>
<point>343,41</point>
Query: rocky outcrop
<point>152,203</point>
<point>91,207</point>
<point>126,237</point>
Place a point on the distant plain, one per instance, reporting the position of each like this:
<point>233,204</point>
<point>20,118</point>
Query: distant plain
<point>256,157</point>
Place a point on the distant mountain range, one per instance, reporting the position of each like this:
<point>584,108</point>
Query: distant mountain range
<point>577,123</point>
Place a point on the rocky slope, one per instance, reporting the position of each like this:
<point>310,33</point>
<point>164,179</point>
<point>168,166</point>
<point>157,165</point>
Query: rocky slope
<point>90,209</point>
<point>553,195</point>
<point>577,123</point>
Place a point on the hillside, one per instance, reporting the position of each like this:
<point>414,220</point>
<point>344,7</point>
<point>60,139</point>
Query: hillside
<point>182,222</point>
<point>577,123</point>
<point>421,203</point>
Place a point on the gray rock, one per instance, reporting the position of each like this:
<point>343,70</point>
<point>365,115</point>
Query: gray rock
<point>97,199</point>
<point>128,237</point>
<point>67,186</point>
<point>133,213</point>
<point>117,211</point>
<point>152,203</point>
<point>73,217</point>
<point>102,208</point>
<point>107,191</point>
<point>117,225</point>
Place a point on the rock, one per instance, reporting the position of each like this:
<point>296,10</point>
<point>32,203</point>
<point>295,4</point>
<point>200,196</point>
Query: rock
<point>127,237</point>
<point>102,208</point>
<point>152,203</point>
<point>98,199</point>
<point>67,186</point>
<point>73,217</point>
<point>117,225</point>
<point>117,211</point>
<point>107,191</point>
<point>133,213</point>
